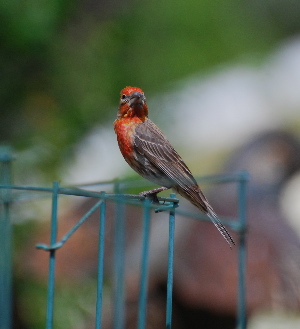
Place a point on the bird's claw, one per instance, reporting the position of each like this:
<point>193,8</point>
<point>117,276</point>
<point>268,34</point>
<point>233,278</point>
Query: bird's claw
<point>152,196</point>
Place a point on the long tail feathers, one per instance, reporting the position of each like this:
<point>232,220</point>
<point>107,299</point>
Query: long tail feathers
<point>196,197</point>
<point>221,228</point>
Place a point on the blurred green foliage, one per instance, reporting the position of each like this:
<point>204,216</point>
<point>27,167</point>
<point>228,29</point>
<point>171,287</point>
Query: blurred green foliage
<point>62,62</point>
<point>72,309</point>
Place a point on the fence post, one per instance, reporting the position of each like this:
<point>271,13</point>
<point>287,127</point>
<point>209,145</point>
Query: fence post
<point>51,279</point>
<point>170,264</point>
<point>101,246</point>
<point>119,262</point>
<point>5,241</point>
<point>144,267</point>
<point>241,309</point>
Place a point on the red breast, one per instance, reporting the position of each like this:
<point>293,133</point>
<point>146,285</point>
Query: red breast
<point>133,111</point>
<point>125,130</point>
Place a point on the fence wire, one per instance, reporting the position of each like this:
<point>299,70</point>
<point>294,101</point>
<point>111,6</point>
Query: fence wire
<point>168,205</point>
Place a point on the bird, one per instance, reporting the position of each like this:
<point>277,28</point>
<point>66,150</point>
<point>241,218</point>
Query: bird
<point>147,151</point>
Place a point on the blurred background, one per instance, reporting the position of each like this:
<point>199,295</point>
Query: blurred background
<point>222,81</point>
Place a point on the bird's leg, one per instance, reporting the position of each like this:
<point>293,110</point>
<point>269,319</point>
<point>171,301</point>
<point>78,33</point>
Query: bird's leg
<point>153,193</point>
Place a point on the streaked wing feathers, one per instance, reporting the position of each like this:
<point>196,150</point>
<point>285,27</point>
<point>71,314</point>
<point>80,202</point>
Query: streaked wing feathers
<point>150,142</point>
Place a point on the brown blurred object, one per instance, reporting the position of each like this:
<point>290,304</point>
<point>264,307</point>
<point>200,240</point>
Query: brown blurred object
<point>207,272</point>
<point>77,259</point>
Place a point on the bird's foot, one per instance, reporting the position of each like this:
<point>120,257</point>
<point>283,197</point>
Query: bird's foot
<point>152,194</point>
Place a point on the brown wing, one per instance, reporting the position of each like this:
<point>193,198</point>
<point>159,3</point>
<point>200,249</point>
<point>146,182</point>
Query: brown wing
<point>151,144</point>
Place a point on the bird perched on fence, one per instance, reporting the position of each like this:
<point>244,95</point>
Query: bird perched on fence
<point>146,149</point>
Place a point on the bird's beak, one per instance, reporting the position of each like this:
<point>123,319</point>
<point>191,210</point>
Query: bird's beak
<point>137,99</point>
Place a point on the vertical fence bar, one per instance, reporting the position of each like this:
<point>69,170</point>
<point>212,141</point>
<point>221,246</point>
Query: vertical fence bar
<point>51,279</point>
<point>144,267</point>
<point>241,309</point>
<point>5,241</point>
<point>100,264</point>
<point>170,265</point>
<point>119,260</point>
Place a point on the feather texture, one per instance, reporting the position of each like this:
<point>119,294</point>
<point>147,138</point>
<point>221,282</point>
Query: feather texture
<point>146,149</point>
<point>166,168</point>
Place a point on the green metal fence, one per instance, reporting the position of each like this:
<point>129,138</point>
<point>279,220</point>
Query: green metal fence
<point>5,241</point>
<point>167,205</point>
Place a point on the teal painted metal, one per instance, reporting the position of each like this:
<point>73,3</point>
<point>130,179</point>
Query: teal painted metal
<point>51,278</point>
<point>119,263</point>
<point>68,235</point>
<point>5,241</point>
<point>242,209</point>
<point>100,263</point>
<point>144,266</point>
<point>170,264</point>
<point>7,192</point>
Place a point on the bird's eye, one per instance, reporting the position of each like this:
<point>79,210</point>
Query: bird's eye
<point>123,96</point>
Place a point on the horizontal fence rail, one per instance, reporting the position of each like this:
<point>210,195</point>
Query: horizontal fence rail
<point>169,205</point>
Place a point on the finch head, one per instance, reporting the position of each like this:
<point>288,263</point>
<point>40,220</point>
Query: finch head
<point>133,103</point>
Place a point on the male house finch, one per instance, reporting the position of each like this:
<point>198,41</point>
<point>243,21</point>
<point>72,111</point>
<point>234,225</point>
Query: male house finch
<point>147,151</point>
